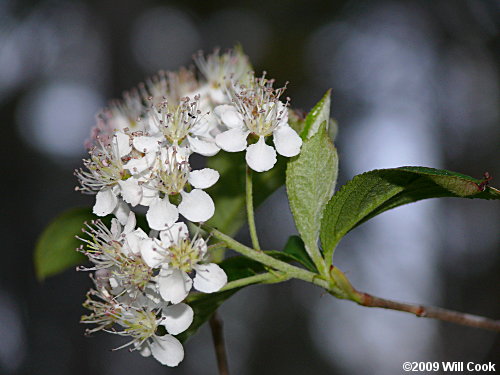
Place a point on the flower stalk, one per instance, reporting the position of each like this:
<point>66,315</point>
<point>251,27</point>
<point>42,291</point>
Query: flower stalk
<point>250,210</point>
<point>260,256</point>
<point>262,278</point>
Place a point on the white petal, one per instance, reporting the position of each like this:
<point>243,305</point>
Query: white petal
<point>152,254</point>
<point>122,142</point>
<point>125,249</point>
<point>122,212</point>
<point>140,233</point>
<point>203,178</point>
<point>232,140</point>
<point>105,202</point>
<point>196,206</point>
<point>201,244</point>
<point>170,153</point>
<point>161,214</point>
<point>202,127</point>
<point>134,240</point>
<point>131,223</point>
<point>209,278</point>
<point>172,234</point>
<point>139,165</point>
<point>177,318</point>
<point>145,144</point>
<point>203,147</point>
<point>145,351</point>
<point>150,124</point>
<point>229,115</point>
<point>149,195</point>
<point>116,228</point>
<point>131,191</point>
<point>220,109</point>
<point>174,285</point>
<point>260,157</point>
<point>287,141</point>
<point>182,153</point>
<point>167,350</point>
<point>218,95</point>
<point>283,115</point>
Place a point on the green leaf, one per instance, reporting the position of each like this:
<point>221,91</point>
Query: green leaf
<point>55,249</point>
<point>319,114</point>
<point>310,182</point>
<point>229,192</point>
<point>374,192</point>
<point>296,250</point>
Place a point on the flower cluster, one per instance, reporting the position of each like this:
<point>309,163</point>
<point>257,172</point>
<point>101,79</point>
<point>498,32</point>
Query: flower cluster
<point>139,155</point>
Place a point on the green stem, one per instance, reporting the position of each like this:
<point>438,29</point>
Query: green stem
<point>261,257</point>
<point>318,259</point>
<point>216,246</point>
<point>250,214</point>
<point>263,278</point>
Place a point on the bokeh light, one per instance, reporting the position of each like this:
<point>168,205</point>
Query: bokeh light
<point>55,118</point>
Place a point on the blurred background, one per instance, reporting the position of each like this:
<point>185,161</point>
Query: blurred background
<point>414,83</point>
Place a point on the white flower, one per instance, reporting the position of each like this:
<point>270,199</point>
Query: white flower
<point>140,321</point>
<point>117,250</point>
<point>177,256</point>
<point>168,176</point>
<point>184,123</point>
<point>219,69</point>
<point>167,349</point>
<point>257,111</point>
<point>169,86</point>
<point>108,176</point>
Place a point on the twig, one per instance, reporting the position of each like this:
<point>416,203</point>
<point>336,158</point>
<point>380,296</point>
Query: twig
<point>340,287</point>
<point>219,346</point>
<point>431,312</point>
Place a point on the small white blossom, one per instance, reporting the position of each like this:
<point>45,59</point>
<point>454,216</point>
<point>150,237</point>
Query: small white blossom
<point>117,251</point>
<point>144,170</point>
<point>108,177</point>
<point>183,124</point>
<point>169,86</point>
<point>257,111</point>
<point>140,321</point>
<point>218,69</point>
<point>166,179</point>
<point>177,256</point>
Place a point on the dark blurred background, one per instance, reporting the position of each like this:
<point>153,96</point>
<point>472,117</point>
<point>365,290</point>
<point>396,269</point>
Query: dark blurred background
<point>414,83</point>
